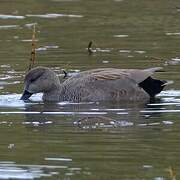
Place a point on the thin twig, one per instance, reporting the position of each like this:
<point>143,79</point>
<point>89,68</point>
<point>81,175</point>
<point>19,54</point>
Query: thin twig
<point>90,51</point>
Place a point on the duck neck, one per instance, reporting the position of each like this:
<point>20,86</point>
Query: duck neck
<point>53,94</point>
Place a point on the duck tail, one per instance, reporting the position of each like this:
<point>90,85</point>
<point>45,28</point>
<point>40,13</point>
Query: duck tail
<point>153,86</point>
<point>167,83</point>
<point>154,69</point>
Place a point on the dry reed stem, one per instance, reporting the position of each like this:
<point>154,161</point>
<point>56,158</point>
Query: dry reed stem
<point>33,49</point>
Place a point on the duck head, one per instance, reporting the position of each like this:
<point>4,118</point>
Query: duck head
<point>39,79</point>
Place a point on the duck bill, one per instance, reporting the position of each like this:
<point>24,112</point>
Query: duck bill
<point>26,95</point>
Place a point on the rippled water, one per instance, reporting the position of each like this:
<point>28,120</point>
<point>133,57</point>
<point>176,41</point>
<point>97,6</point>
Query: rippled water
<point>89,140</point>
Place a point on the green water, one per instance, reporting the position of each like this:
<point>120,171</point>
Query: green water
<point>131,141</point>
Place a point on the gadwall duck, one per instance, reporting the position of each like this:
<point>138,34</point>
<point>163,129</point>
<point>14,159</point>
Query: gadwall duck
<point>105,84</point>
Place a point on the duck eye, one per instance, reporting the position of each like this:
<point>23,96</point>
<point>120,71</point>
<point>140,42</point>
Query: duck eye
<point>32,80</point>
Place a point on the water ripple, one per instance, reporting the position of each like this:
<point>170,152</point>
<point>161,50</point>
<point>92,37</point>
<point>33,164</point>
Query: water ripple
<point>13,100</point>
<point>59,159</point>
<point>11,170</point>
<point>74,113</point>
<point>169,93</point>
<point>121,35</point>
<point>44,48</point>
<point>54,15</point>
<point>9,26</point>
<point>172,33</point>
<point>161,111</point>
<point>4,16</point>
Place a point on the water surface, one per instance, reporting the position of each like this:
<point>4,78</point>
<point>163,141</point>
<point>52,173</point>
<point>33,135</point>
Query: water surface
<point>89,140</point>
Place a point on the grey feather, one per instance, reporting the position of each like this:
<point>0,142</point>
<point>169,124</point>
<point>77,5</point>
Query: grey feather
<point>103,84</point>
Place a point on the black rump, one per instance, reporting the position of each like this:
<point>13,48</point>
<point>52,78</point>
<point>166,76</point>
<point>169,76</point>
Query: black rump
<point>152,86</point>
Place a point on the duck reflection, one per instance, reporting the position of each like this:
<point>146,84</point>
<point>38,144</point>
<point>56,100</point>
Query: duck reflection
<point>90,115</point>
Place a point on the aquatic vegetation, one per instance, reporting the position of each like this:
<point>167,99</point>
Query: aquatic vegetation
<point>172,173</point>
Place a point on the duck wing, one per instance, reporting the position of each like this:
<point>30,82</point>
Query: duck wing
<point>107,84</point>
<point>135,75</point>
